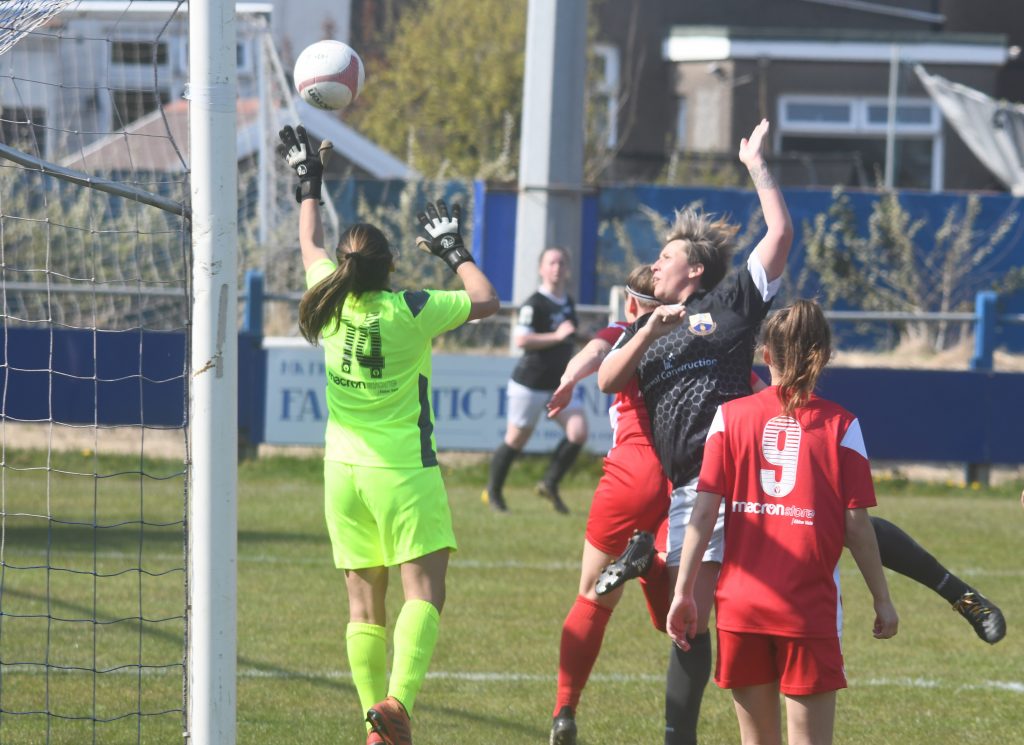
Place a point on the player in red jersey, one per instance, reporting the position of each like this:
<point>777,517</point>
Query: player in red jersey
<point>902,554</point>
<point>633,495</point>
<point>794,474</point>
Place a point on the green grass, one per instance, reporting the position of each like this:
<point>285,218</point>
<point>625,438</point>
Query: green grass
<point>510,585</point>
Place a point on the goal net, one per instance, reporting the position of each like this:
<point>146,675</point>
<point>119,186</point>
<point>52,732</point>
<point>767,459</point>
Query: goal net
<point>94,289</point>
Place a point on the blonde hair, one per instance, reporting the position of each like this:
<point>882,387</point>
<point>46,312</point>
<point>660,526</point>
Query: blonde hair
<point>709,242</point>
<point>364,265</point>
<point>799,340</point>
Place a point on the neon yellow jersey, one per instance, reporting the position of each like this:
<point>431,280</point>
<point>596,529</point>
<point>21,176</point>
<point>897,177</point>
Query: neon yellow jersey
<point>378,373</point>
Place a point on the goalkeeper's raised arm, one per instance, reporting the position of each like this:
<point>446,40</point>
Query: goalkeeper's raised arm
<point>773,250</point>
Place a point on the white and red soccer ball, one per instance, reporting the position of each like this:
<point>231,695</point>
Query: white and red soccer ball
<point>329,75</point>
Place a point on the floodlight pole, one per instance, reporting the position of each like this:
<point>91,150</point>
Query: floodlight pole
<point>213,386</point>
<point>549,209</point>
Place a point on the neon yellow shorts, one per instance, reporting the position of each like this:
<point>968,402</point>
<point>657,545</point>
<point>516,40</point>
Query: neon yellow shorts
<point>385,516</point>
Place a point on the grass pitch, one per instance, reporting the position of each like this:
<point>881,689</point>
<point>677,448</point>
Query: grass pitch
<point>510,585</point>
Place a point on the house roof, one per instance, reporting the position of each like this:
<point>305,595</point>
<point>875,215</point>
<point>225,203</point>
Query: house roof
<point>711,43</point>
<point>159,142</point>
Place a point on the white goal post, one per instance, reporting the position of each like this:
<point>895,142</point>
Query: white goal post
<point>213,405</point>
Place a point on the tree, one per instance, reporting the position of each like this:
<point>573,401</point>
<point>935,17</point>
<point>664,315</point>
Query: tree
<point>449,95</point>
<point>889,268</point>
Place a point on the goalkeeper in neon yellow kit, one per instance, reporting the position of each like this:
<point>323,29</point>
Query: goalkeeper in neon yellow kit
<point>384,500</point>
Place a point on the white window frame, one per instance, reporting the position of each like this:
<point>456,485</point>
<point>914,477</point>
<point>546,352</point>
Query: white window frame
<point>682,109</point>
<point>608,86</point>
<point>804,126</point>
<point>933,127</point>
<point>859,125</point>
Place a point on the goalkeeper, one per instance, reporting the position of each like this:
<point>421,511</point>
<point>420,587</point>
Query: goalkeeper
<point>384,500</point>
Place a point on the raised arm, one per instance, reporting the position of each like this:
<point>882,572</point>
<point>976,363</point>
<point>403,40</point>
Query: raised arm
<point>773,250</point>
<point>860,539</point>
<point>311,233</point>
<point>309,167</point>
<point>445,242</point>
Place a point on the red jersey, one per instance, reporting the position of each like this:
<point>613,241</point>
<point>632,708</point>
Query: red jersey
<point>628,413</point>
<point>787,482</point>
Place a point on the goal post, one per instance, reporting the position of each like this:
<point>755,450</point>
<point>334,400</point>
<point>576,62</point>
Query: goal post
<point>212,520</point>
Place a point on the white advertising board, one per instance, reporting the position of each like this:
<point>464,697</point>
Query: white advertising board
<point>468,400</point>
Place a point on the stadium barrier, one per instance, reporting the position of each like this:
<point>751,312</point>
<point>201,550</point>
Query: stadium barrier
<point>134,378</point>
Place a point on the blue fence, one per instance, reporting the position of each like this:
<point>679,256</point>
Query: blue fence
<point>611,211</point>
<point>136,378</point>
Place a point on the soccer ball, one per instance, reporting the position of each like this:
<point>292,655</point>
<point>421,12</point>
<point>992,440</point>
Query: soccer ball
<point>329,75</point>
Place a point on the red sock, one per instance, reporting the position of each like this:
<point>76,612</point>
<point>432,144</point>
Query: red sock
<point>582,634</point>
<point>657,592</point>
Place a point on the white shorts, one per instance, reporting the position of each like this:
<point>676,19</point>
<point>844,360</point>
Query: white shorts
<point>679,510</point>
<point>525,405</point>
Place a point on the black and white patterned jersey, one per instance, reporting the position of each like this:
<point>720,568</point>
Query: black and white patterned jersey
<point>541,369</point>
<point>685,375</point>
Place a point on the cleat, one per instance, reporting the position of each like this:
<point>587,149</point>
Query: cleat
<point>563,728</point>
<point>983,615</point>
<point>634,562</point>
<point>550,492</point>
<point>494,500</point>
<point>374,738</point>
<point>390,720</point>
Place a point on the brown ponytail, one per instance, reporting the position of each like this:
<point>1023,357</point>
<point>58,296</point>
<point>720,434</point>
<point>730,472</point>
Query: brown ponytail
<point>364,265</point>
<point>799,340</point>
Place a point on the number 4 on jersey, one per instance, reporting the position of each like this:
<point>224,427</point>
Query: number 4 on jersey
<point>363,343</point>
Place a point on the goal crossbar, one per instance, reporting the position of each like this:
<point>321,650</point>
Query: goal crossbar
<point>70,175</point>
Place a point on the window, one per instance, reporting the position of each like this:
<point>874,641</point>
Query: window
<point>841,140</point>
<point>604,98</point>
<point>138,53</point>
<point>130,105</point>
<point>18,129</point>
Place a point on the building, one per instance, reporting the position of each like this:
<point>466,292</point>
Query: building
<point>688,80</point>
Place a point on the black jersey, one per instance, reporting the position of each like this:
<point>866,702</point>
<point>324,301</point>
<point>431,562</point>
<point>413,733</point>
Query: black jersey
<point>541,369</point>
<point>685,375</point>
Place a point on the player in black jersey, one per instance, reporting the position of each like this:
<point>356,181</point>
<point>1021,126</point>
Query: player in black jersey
<point>691,355</point>
<point>545,331</point>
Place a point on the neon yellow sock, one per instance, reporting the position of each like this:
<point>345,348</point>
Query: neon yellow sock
<point>367,648</point>
<point>415,637</point>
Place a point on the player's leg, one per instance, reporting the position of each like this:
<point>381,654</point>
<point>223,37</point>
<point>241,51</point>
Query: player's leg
<point>353,531</point>
<point>631,495</point>
<point>573,422</point>
<point>903,554</point>
<point>810,720</point>
<point>415,525</point>
<point>688,672</point>
<point>580,643</point>
<point>523,412</point>
<point>811,671</point>
<point>757,711</point>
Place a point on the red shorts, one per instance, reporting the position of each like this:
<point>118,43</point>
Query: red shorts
<point>633,494</point>
<point>801,666</point>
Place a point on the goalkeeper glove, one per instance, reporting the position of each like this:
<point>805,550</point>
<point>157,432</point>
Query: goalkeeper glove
<point>298,153</point>
<point>445,239</point>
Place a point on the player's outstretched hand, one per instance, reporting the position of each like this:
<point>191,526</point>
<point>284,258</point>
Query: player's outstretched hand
<point>560,399</point>
<point>444,234</point>
<point>681,623</point>
<point>298,154</point>
<point>886,620</point>
<point>752,148</point>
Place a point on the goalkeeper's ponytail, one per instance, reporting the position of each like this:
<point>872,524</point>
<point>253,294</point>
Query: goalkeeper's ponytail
<point>364,265</point>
